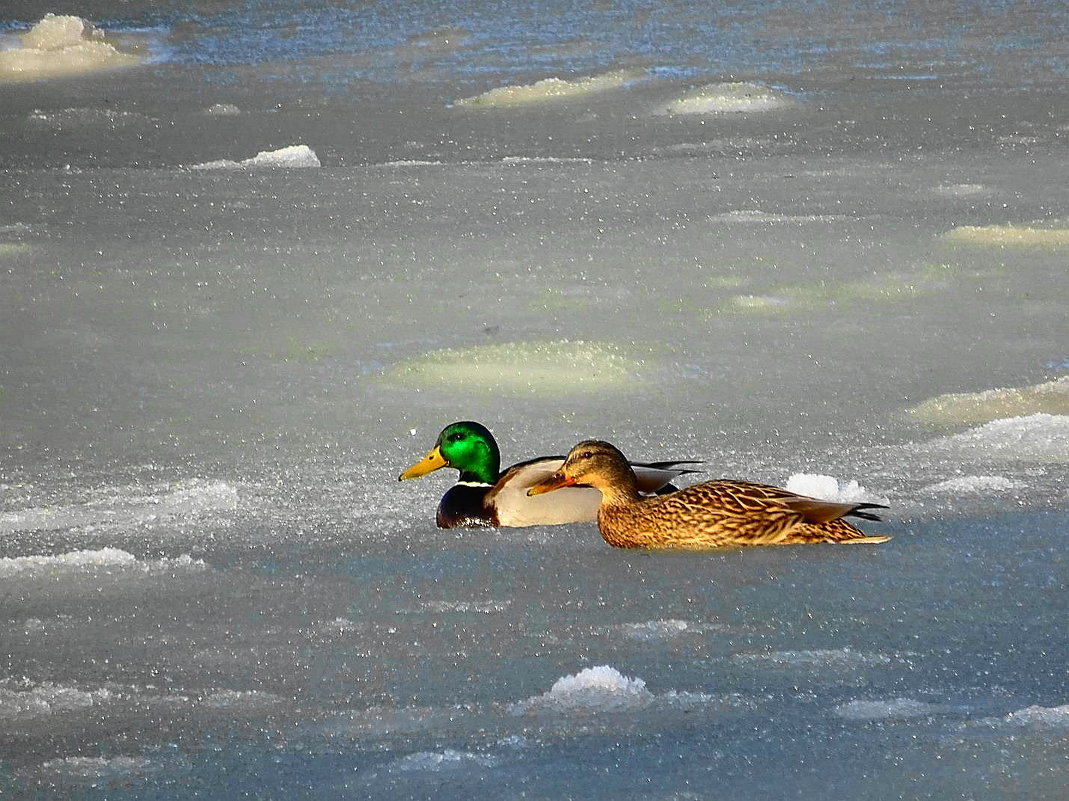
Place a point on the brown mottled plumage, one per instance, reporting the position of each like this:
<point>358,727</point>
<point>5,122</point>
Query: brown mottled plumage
<point>713,514</point>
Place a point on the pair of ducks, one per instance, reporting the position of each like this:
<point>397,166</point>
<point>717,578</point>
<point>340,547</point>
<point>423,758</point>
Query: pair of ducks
<point>634,504</point>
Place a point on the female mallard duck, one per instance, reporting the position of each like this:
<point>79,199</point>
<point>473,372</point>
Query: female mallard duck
<point>484,496</point>
<point>713,514</point>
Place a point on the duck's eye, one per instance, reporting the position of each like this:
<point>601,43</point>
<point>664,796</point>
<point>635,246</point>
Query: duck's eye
<point>586,455</point>
<point>456,437</point>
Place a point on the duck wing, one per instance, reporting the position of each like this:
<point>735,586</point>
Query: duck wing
<point>813,510</point>
<point>657,477</point>
<point>514,507</point>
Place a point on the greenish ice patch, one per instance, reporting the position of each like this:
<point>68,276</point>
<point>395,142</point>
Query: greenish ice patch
<point>1008,236</point>
<point>1051,397</point>
<point>525,368</point>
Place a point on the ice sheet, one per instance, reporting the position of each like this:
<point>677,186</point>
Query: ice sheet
<point>211,379</point>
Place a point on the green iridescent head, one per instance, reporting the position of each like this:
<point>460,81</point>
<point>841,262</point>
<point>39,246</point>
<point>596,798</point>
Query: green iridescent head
<point>465,446</point>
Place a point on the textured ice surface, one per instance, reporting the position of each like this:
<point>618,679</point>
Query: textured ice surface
<point>965,485</point>
<point>103,559</point>
<point>441,761</point>
<point>658,630</point>
<point>128,506</point>
<point>821,659</point>
<point>45,699</point>
<point>97,767</point>
<point>1039,437</point>
<point>1002,236</point>
<point>891,709</point>
<point>1039,717</point>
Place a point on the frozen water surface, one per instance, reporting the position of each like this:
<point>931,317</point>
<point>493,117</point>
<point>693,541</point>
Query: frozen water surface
<point>846,270</point>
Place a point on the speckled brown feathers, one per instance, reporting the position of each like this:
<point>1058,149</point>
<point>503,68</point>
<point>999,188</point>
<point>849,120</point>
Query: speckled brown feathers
<point>713,514</point>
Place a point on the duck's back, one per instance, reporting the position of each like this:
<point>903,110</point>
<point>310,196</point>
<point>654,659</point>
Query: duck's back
<point>719,514</point>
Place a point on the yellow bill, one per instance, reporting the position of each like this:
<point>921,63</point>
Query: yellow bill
<point>431,462</point>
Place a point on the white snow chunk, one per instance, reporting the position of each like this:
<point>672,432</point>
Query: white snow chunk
<point>292,157</point>
<point>60,44</point>
<point>596,689</point>
<point>829,488</point>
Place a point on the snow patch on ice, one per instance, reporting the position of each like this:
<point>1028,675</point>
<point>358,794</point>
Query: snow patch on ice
<point>68,118</point>
<point>1040,717</point>
<point>97,767</point>
<point>756,303</point>
<point>735,97</point>
<point>127,506</point>
<point>227,699</point>
<point>1008,236</point>
<point>60,45</point>
<point>1040,437</point>
<point>596,689</point>
<point>961,190</point>
<point>222,110</point>
<point>831,659</point>
<point>891,709</point>
<point>829,488</point>
<point>1051,397</point>
<point>46,699</point>
<point>756,216</point>
<point>436,761</point>
<point>88,561</point>
<point>974,485</point>
<point>292,157</point>
<point>381,721</point>
<point>522,368</point>
<point>483,608</point>
<point>551,89</point>
<point>659,630</point>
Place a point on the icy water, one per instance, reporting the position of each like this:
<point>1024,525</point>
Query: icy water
<point>823,245</point>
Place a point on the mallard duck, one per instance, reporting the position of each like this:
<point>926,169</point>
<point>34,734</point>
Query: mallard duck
<point>485,496</point>
<point>713,514</point>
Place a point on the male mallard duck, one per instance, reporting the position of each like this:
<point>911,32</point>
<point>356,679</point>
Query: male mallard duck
<point>483,496</point>
<point>713,514</point>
